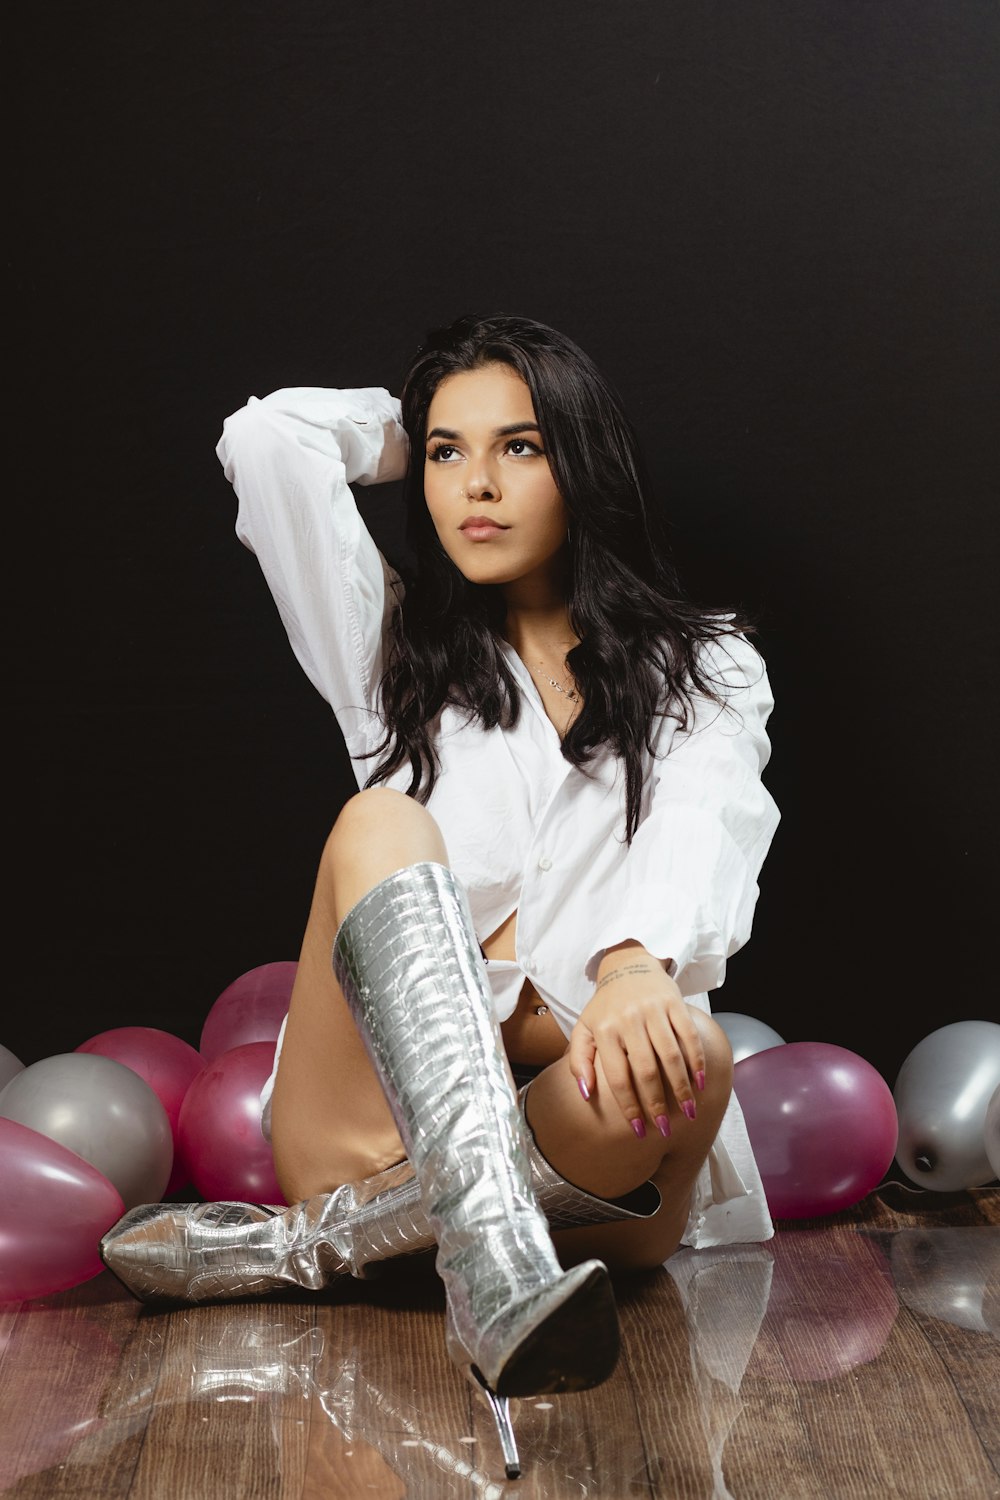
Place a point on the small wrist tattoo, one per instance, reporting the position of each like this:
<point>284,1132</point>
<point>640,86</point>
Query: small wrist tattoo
<point>638,968</point>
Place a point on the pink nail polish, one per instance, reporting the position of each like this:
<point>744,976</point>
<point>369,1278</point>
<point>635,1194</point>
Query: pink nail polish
<point>699,1078</point>
<point>663,1125</point>
<point>584,1089</point>
<point>639,1128</point>
<point>689,1109</point>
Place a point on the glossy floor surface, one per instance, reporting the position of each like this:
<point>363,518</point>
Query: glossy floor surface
<point>854,1356</point>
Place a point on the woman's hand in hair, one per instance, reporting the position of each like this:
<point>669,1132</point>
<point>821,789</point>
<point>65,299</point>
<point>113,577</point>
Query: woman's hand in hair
<point>650,1049</point>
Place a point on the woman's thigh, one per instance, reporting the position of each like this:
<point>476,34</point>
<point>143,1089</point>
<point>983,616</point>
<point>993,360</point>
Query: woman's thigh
<point>330,1121</point>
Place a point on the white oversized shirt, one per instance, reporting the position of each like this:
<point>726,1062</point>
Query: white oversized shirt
<point>524,829</point>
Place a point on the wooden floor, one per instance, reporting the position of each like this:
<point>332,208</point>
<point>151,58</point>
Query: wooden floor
<point>854,1356</point>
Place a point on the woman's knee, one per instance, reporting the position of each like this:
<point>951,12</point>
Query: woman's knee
<point>377,832</point>
<point>718,1061</point>
<point>380,817</point>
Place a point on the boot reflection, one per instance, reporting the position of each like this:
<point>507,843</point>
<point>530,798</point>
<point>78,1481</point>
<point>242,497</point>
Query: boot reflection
<point>186,1370</point>
<point>415,1438</point>
<point>362,1391</point>
<point>361,1397</point>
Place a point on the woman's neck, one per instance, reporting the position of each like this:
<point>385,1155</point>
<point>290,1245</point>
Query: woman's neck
<point>543,632</point>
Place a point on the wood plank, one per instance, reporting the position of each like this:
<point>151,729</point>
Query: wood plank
<point>397,1413</point>
<point>583,1442</point>
<point>9,1314</point>
<point>949,1280</point>
<point>68,1351</point>
<point>898,1204</point>
<point>886,1423</point>
<point>850,1357</point>
<point>228,1413</point>
<point>725,1294</point>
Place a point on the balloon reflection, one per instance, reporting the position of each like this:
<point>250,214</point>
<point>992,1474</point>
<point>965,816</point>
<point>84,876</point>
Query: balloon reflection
<point>832,1306</point>
<point>951,1274</point>
<point>53,1344</point>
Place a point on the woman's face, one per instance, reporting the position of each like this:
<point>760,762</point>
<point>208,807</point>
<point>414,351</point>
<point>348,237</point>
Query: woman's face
<point>485,462</point>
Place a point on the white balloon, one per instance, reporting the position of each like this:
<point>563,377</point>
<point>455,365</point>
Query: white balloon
<point>949,1273</point>
<point>991,1132</point>
<point>9,1065</point>
<point>104,1112</point>
<point>746,1034</point>
<point>941,1096</point>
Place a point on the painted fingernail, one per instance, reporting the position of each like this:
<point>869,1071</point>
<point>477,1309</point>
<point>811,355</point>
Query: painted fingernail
<point>663,1125</point>
<point>584,1089</point>
<point>699,1078</point>
<point>689,1109</point>
<point>639,1128</point>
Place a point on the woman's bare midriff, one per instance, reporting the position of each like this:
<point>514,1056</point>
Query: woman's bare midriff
<point>527,1036</point>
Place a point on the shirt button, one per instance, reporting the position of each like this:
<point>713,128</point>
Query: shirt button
<point>545,863</point>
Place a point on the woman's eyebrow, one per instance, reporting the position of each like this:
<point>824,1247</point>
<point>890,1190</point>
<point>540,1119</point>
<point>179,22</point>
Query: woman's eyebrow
<point>451,434</point>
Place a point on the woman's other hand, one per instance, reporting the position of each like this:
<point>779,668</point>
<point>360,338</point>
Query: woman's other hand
<point>650,1049</point>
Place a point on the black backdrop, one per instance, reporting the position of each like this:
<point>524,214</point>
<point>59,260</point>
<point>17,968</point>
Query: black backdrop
<point>774,225</point>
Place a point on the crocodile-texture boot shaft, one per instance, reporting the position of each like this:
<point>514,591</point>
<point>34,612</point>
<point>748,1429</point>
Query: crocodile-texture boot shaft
<point>224,1252</point>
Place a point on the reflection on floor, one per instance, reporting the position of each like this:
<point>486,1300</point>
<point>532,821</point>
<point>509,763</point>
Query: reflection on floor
<point>854,1356</point>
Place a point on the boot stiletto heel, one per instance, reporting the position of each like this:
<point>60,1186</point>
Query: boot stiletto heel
<point>500,1407</point>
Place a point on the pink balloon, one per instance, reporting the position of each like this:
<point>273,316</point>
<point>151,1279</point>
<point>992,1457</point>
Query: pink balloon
<point>167,1063</point>
<point>54,1208</point>
<point>251,1009</point>
<point>220,1128</point>
<point>822,1123</point>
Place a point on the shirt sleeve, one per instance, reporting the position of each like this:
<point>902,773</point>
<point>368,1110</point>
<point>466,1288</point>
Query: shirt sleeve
<point>688,886</point>
<point>291,458</point>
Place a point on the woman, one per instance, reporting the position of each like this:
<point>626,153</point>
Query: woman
<point>553,852</point>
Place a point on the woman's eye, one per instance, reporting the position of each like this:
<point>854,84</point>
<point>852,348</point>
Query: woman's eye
<point>435,454</point>
<point>524,444</point>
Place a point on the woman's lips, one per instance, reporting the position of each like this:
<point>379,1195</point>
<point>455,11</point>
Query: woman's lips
<point>481,531</point>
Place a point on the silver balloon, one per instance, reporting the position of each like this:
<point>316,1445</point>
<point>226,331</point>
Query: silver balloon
<point>991,1132</point>
<point>941,1095</point>
<point>9,1065</point>
<point>746,1034</point>
<point>950,1274</point>
<point>101,1110</point>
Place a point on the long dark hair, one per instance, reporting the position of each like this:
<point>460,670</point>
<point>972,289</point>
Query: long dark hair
<point>639,635</point>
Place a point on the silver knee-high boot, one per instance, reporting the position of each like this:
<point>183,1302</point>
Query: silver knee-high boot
<point>407,960</point>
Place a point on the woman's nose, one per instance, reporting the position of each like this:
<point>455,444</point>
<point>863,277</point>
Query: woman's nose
<point>481,482</point>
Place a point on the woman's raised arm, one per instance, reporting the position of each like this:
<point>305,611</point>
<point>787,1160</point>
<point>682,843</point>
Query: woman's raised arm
<point>291,458</point>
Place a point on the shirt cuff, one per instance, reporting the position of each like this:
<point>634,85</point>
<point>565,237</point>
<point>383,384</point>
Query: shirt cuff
<point>670,925</point>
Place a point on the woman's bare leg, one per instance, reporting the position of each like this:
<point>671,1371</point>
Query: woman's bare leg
<point>330,1122</point>
<point>592,1145</point>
